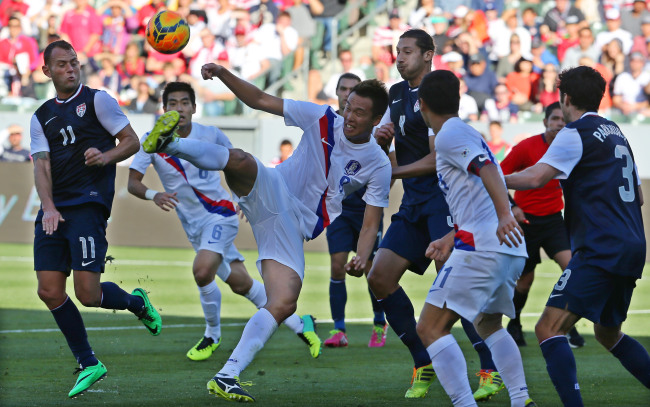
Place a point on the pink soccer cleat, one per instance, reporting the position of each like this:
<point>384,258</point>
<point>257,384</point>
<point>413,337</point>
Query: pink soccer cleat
<point>338,339</point>
<point>378,338</point>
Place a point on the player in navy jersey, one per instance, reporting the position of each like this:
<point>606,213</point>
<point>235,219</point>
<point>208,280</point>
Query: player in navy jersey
<point>423,216</point>
<point>603,199</point>
<point>342,236</point>
<point>73,146</point>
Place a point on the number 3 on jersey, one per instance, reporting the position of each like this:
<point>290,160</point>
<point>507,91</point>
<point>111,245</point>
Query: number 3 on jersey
<point>626,191</point>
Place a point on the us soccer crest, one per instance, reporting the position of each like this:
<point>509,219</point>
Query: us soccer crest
<point>81,110</point>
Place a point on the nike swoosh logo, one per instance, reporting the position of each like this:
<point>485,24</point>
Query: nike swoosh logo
<point>482,158</point>
<point>555,295</point>
<point>212,242</point>
<point>82,378</point>
<point>435,289</point>
<point>84,264</point>
<point>325,142</point>
<point>395,101</point>
<point>50,120</point>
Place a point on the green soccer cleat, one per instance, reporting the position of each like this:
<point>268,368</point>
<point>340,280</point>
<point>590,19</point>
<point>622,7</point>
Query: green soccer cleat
<point>149,316</point>
<point>203,349</point>
<point>163,132</point>
<point>530,403</point>
<point>310,337</point>
<point>490,383</point>
<point>87,377</point>
<point>421,381</point>
<point>229,388</point>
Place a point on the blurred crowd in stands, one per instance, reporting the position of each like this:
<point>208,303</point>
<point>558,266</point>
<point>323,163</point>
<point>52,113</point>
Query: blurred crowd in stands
<point>508,53</point>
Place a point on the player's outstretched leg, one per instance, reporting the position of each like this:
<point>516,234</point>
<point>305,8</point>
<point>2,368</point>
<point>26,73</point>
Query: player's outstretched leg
<point>632,355</point>
<point>162,133</point>
<point>87,377</point>
<point>148,314</point>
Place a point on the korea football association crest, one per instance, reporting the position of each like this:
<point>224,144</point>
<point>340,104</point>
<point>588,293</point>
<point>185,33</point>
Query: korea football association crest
<point>81,110</point>
<point>352,168</point>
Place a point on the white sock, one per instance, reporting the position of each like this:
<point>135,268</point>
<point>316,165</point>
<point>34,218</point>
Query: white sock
<point>257,331</point>
<point>507,359</point>
<point>257,294</point>
<point>294,322</point>
<point>207,156</point>
<point>450,366</point>
<point>210,296</point>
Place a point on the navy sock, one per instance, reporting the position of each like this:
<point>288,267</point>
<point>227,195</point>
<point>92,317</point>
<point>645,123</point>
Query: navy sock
<point>113,297</point>
<point>379,318</point>
<point>519,300</point>
<point>399,312</point>
<point>561,366</point>
<point>484,353</point>
<point>338,298</point>
<point>634,357</point>
<point>69,320</point>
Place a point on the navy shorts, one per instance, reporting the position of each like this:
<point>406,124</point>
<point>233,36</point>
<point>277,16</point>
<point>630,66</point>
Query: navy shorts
<point>544,232</point>
<point>593,293</point>
<point>343,234</point>
<point>411,230</point>
<point>79,243</point>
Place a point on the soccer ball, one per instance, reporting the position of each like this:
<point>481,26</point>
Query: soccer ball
<point>167,32</point>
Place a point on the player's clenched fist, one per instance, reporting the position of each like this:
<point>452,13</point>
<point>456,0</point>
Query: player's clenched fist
<point>384,134</point>
<point>209,71</point>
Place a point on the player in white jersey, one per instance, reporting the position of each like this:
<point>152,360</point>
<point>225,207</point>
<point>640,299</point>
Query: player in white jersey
<point>478,278</point>
<point>294,201</point>
<point>208,218</point>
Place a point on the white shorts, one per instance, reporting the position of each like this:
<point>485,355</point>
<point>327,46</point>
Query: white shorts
<point>471,283</point>
<point>274,215</point>
<point>218,237</point>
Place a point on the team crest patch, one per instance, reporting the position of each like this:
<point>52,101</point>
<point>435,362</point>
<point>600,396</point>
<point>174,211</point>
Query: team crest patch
<point>352,168</point>
<point>81,110</point>
<point>465,152</point>
<point>416,107</point>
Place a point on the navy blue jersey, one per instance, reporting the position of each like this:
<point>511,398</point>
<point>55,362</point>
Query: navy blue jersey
<point>71,128</point>
<point>411,143</point>
<point>603,211</point>
<point>354,203</point>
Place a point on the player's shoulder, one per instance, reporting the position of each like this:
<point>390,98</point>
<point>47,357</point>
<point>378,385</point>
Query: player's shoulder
<point>397,89</point>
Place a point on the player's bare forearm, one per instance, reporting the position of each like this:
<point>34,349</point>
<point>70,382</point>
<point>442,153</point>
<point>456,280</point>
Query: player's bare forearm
<point>496,189</point>
<point>164,200</point>
<point>532,177</point>
<point>367,237</point>
<point>248,93</point>
<point>424,166</point>
<point>127,146</point>
<point>135,185</point>
<point>43,179</point>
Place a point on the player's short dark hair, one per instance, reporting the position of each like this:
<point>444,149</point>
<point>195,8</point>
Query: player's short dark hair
<point>495,123</point>
<point>347,75</point>
<point>422,40</point>
<point>178,87</point>
<point>550,108</point>
<point>47,54</point>
<point>585,85</point>
<point>286,142</point>
<point>376,91</point>
<point>440,90</point>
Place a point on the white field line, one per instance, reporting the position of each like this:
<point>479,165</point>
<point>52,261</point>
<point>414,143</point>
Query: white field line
<point>234,324</point>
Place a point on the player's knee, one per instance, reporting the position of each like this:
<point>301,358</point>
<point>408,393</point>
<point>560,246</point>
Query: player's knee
<point>237,159</point>
<point>281,311</point>
<point>377,284</point>
<point>203,276</point>
<point>240,287</point>
<point>338,271</point>
<point>542,331</point>
<point>608,337</point>
<point>89,300</point>
<point>51,298</point>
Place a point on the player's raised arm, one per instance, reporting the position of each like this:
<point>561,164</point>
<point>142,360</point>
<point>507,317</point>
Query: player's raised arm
<point>532,177</point>
<point>136,187</point>
<point>248,93</point>
<point>127,146</point>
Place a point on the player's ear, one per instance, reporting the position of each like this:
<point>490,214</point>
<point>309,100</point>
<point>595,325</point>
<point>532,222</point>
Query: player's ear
<point>46,71</point>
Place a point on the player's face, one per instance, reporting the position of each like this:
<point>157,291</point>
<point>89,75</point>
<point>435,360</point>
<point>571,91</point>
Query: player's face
<point>181,102</point>
<point>342,92</point>
<point>411,62</point>
<point>555,122</point>
<point>65,71</point>
<point>358,118</point>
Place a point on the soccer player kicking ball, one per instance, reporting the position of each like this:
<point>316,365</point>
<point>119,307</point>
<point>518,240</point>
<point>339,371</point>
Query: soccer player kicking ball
<point>73,146</point>
<point>209,220</point>
<point>478,278</point>
<point>294,201</point>
<point>603,199</point>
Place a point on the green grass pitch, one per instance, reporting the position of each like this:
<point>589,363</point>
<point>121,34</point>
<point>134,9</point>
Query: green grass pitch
<point>36,365</point>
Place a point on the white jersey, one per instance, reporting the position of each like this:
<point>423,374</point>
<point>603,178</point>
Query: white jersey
<point>200,195</point>
<point>475,218</point>
<point>326,166</point>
